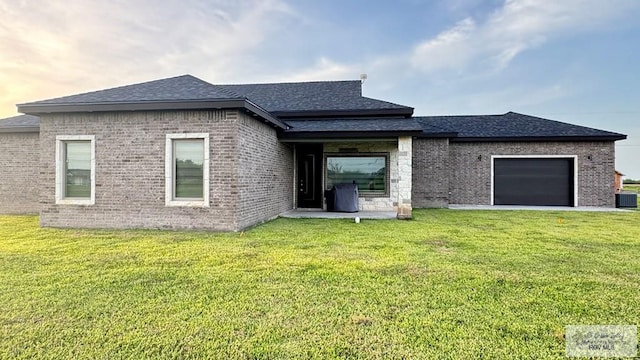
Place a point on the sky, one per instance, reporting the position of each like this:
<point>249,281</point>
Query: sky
<point>576,61</point>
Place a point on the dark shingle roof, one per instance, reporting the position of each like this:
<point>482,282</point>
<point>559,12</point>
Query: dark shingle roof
<point>177,93</point>
<point>352,127</point>
<point>507,127</point>
<point>300,103</point>
<point>319,95</point>
<point>359,124</point>
<point>512,126</point>
<point>313,96</point>
<point>26,123</point>
<point>185,87</point>
<point>302,99</point>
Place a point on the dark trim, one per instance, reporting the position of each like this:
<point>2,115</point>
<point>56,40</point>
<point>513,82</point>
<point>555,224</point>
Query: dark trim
<point>38,109</point>
<point>250,106</point>
<point>539,138</point>
<point>348,134</point>
<point>438,135</point>
<point>325,140</point>
<point>129,106</point>
<point>405,112</point>
<point>20,129</point>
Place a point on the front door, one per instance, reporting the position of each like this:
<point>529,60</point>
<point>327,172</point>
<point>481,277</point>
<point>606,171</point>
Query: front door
<point>309,175</point>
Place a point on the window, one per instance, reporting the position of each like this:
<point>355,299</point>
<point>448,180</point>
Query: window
<point>370,172</point>
<point>187,170</point>
<point>75,169</point>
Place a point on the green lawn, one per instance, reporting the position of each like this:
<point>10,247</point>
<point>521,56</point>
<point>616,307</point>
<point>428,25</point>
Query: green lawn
<point>449,284</point>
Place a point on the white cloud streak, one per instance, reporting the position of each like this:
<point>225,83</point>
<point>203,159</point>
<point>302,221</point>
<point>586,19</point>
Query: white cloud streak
<point>517,26</point>
<point>323,69</point>
<point>54,48</point>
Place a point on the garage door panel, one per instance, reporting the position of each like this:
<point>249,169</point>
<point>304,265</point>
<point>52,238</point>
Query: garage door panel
<point>533,181</point>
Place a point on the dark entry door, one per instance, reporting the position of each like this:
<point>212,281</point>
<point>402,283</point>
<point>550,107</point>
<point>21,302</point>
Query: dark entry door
<point>309,175</point>
<point>533,181</point>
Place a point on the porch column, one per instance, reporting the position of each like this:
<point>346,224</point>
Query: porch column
<point>405,155</point>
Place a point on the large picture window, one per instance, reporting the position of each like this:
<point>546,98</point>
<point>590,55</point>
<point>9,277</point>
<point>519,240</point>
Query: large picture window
<point>75,169</point>
<point>187,170</point>
<point>370,172</point>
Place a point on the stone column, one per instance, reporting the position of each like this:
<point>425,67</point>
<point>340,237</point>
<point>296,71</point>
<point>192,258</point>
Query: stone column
<point>404,176</point>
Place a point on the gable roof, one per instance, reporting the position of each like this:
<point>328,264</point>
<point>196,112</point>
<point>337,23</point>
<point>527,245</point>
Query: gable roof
<point>20,123</point>
<point>513,126</point>
<point>317,98</point>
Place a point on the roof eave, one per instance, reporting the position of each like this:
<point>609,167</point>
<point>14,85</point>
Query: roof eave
<point>540,138</point>
<point>250,106</point>
<point>404,112</point>
<point>20,129</point>
<point>438,135</point>
<point>348,134</point>
<point>39,109</point>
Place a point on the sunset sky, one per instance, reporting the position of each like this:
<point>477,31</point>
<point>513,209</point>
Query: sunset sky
<point>576,61</point>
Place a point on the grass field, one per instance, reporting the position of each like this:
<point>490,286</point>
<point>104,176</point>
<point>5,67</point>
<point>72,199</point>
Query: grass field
<point>449,284</point>
<point>632,187</point>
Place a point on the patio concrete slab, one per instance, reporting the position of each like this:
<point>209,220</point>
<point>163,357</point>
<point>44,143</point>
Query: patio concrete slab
<point>539,208</point>
<point>321,214</point>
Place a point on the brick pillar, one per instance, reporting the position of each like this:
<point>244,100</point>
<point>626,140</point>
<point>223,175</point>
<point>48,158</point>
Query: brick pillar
<point>404,176</point>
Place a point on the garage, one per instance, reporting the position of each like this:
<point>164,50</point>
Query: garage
<point>533,181</point>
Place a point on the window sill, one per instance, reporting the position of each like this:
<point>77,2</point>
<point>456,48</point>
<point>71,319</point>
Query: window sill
<point>186,203</point>
<point>75,202</point>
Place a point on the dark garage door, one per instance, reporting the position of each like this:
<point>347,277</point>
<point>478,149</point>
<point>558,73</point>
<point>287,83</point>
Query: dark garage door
<point>533,181</point>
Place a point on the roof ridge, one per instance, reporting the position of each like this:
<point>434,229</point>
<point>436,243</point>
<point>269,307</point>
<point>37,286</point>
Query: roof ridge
<point>457,116</point>
<point>217,86</point>
<point>384,101</point>
<point>227,91</point>
<point>122,87</point>
<point>19,116</point>
<point>293,82</point>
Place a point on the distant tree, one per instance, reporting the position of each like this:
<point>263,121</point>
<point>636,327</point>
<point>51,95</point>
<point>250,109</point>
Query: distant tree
<point>630,181</point>
<point>334,169</point>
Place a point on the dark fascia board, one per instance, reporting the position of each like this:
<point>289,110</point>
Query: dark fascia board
<point>20,129</point>
<point>406,112</point>
<point>438,135</point>
<point>347,134</point>
<point>250,106</point>
<point>38,109</point>
<point>540,138</point>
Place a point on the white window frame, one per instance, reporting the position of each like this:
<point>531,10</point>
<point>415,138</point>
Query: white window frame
<point>575,169</point>
<point>169,169</point>
<point>60,170</point>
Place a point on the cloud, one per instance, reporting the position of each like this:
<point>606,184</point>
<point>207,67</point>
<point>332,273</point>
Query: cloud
<point>323,69</point>
<point>515,27</point>
<point>447,50</point>
<point>54,48</point>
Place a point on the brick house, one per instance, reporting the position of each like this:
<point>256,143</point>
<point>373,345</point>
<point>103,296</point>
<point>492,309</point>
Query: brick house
<point>184,153</point>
